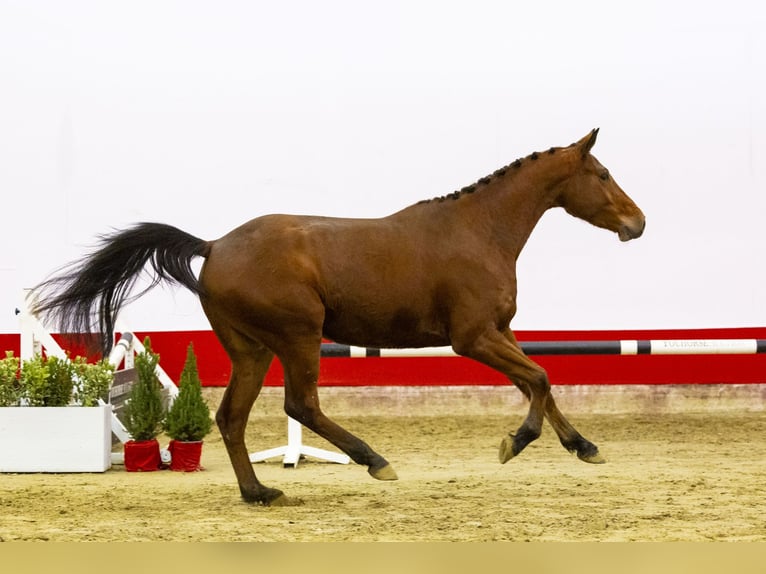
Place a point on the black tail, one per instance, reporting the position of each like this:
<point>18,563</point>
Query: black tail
<point>90,293</point>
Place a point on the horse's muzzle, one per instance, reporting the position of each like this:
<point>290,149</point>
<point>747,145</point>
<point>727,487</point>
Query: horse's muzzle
<point>632,229</point>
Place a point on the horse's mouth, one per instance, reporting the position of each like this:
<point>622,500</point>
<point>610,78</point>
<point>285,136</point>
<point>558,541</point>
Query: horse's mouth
<point>632,230</point>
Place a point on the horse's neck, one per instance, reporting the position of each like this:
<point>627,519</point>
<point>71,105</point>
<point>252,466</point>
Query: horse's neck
<point>500,213</point>
<point>518,203</point>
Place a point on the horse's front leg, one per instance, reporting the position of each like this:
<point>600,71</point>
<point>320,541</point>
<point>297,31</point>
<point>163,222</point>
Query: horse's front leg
<point>493,349</point>
<point>572,440</point>
<point>301,365</point>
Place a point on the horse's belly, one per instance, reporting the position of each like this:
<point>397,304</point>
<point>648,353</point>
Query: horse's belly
<point>403,328</point>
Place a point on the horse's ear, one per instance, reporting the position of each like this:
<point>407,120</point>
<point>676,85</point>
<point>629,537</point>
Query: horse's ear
<point>587,143</point>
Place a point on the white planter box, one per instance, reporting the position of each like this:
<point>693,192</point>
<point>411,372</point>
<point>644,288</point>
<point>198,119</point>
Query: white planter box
<point>55,439</point>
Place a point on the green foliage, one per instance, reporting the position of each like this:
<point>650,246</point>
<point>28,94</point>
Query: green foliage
<point>46,382</point>
<point>53,382</point>
<point>92,381</point>
<point>10,388</point>
<point>34,381</point>
<point>189,416</point>
<point>144,411</point>
<point>60,382</point>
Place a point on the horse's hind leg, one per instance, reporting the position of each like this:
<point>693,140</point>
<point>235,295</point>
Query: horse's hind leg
<point>250,361</point>
<point>301,365</point>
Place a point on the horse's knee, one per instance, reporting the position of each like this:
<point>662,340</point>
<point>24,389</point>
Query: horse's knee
<point>536,385</point>
<point>539,382</point>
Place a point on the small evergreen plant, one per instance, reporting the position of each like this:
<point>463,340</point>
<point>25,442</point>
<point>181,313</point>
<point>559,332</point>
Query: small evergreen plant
<point>144,411</point>
<point>188,418</point>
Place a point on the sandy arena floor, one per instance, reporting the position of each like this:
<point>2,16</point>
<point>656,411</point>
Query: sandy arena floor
<point>673,474</point>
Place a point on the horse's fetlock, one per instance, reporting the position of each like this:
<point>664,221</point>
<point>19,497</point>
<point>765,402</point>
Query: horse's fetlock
<point>574,444</point>
<point>525,435</point>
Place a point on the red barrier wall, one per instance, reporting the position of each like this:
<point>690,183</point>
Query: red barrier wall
<point>214,366</point>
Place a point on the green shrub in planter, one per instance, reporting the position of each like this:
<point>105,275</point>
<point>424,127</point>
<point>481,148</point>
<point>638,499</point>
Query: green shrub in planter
<point>34,381</point>
<point>144,411</point>
<point>44,430</point>
<point>53,382</point>
<point>47,382</point>
<point>10,388</point>
<point>92,381</point>
<point>188,418</point>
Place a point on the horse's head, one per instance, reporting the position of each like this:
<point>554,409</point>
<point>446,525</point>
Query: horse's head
<point>592,195</point>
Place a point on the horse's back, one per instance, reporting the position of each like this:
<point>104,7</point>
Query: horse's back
<point>369,276</point>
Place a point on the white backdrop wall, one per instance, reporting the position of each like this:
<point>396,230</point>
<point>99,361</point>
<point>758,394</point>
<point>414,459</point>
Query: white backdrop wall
<point>206,114</point>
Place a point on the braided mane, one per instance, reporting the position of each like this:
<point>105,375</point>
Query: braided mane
<point>487,179</point>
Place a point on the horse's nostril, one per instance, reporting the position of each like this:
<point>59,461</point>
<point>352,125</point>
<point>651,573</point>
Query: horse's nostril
<point>641,228</point>
<point>632,230</point>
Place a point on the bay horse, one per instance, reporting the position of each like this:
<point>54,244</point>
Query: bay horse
<point>439,272</point>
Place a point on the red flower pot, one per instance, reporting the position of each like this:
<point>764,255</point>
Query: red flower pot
<point>185,456</point>
<point>142,456</point>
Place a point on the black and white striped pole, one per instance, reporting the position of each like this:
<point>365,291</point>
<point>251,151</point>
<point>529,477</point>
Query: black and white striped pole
<point>623,347</point>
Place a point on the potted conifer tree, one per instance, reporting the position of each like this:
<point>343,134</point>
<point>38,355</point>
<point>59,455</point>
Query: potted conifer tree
<point>144,413</point>
<point>188,419</point>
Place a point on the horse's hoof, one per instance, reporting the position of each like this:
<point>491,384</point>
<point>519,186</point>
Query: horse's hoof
<point>595,458</point>
<point>383,473</point>
<point>283,500</point>
<point>506,452</point>
<point>270,497</point>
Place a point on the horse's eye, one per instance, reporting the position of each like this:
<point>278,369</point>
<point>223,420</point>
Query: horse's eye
<point>605,176</point>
